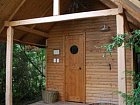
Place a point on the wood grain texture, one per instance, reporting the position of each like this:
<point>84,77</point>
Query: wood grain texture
<point>66,17</point>
<point>9,57</point>
<point>75,68</point>
<point>121,60</point>
<point>56,7</point>
<point>101,82</point>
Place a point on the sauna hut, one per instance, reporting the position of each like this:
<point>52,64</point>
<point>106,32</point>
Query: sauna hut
<point>72,31</point>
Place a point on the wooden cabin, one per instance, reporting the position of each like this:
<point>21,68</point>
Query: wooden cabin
<point>72,32</point>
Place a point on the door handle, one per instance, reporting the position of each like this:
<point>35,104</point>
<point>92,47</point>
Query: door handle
<point>80,68</point>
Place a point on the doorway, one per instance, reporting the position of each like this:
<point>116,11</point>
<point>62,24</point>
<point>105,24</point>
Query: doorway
<point>75,68</point>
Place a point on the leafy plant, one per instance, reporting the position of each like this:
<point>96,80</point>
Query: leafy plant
<point>133,97</point>
<point>128,40</point>
<point>28,77</point>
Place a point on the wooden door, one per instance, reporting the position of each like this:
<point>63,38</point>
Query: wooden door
<point>75,69</point>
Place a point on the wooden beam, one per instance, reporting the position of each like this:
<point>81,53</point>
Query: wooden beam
<point>56,7</point>
<point>127,27</point>
<point>13,14</point>
<point>113,4</point>
<point>132,9</point>
<point>29,43</point>
<point>23,42</point>
<point>32,31</point>
<point>132,20</point>
<point>109,3</point>
<point>136,2</point>
<point>65,17</point>
<point>121,60</point>
<point>9,54</point>
<point>62,8</point>
<point>43,14</point>
<point>132,26</point>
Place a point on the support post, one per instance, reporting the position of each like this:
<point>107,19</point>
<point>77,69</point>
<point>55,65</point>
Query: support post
<point>56,7</point>
<point>9,54</point>
<point>121,60</point>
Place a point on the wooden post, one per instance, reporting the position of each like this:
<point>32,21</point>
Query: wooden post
<point>121,60</point>
<point>9,52</point>
<point>56,7</point>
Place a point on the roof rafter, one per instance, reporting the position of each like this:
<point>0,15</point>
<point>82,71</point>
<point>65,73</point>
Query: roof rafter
<point>108,3</point>
<point>112,4</point>
<point>136,2</point>
<point>62,7</point>
<point>131,8</point>
<point>23,42</point>
<point>33,31</point>
<point>43,14</point>
<point>132,20</point>
<point>13,14</point>
<point>33,26</point>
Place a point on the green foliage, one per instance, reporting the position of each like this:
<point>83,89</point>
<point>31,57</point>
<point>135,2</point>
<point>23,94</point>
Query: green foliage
<point>128,40</point>
<point>28,77</point>
<point>133,97</point>
<point>2,72</point>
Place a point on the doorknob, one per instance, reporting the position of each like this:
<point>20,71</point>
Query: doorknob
<point>80,68</point>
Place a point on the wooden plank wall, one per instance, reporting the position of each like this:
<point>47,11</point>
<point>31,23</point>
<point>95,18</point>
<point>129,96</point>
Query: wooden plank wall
<point>101,81</point>
<point>55,71</point>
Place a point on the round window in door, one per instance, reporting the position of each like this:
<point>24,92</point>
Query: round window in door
<point>74,49</point>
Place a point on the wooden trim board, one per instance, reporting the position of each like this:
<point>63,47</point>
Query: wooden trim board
<point>66,17</point>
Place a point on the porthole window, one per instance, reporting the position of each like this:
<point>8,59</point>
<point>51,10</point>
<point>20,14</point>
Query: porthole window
<point>74,49</point>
